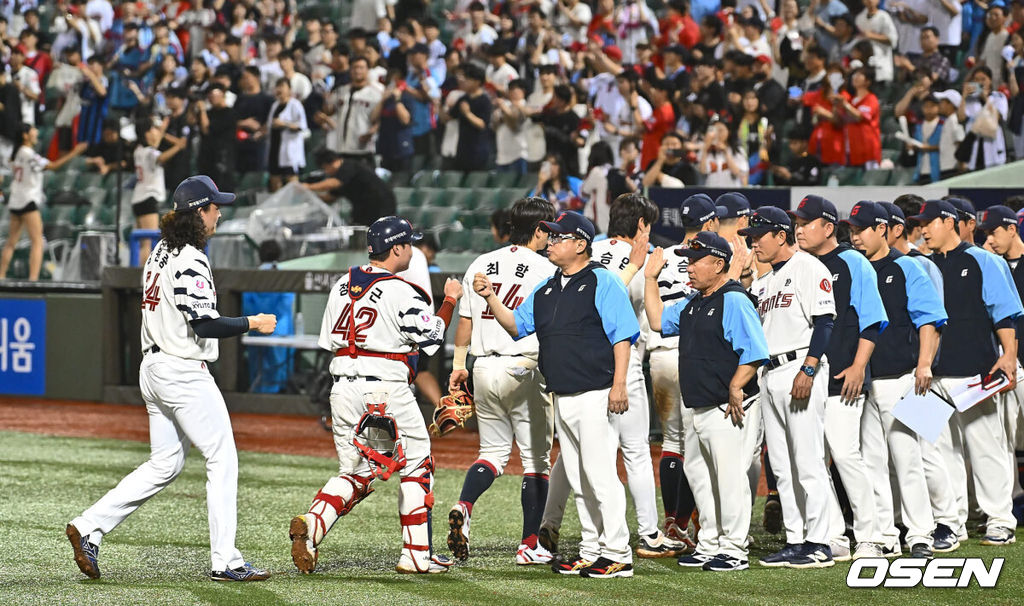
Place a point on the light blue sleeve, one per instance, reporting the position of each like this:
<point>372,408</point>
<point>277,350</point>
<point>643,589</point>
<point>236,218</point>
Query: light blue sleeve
<point>923,302</point>
<point>612,302</point>
<point>670,317</point>
<point>524,314</point>
<point>997,287</point>
<point>741,327</point>
<point>864,295</point>
<point>933,272</point>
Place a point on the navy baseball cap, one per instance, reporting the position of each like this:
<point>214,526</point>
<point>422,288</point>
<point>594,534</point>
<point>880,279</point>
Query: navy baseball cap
<point>997,216</point>
<point>573,223</point>
<point>390,231</point>
<point>816,207</point>
<point>704,244</point>
<point>896,216</point>
<point>964,208</point>
<point>766,219</point>
<point>697,210</point>
<point>933,209</point>
<point>731,205</point>
<point>867,214</point>
<point>199,191</point>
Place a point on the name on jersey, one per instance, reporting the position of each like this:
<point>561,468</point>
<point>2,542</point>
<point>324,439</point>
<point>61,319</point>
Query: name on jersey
<point>776,301</point>
<point>493,268</point>
<point>607,258</point>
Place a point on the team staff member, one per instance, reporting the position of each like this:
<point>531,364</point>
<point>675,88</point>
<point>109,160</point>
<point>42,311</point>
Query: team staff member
<point>860,317</point>
<point>721,346</point>
<point>983,307</point>
<point>376,323</point>
<point>797,311</point>
<point>507,386</point>
<point>901,364</point>
<point>180,328</point>
<point>586,326</point>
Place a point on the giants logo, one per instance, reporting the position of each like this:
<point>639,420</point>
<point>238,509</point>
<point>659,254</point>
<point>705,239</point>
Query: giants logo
<point>776,301</point>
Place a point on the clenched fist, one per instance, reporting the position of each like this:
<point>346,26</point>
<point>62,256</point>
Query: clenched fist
<point>482,285</point>
<point>263,323</point>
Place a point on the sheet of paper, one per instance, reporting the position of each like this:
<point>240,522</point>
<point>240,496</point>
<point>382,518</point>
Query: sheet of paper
<point>972,391</point>
<point>926,415</point>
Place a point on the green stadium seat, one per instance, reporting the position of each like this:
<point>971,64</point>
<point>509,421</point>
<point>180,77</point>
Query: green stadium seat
<point>477,178</point>
<point>902,176</point>
<point>876,177</point>
<point>527,181</point>
<point>90,178</point>
<point>437,216</point>
<point>51,182</point>
<point>400,178</point>
<point>427,196</point>
<point>457,240</point>
<point>252,180</point>
<point>483,240</point>
<point>449,178</point>
<point>405,196</point>
<point>847,175</point>
<point>458,197</point>
<point>423,178</point>
<point>503,179</point>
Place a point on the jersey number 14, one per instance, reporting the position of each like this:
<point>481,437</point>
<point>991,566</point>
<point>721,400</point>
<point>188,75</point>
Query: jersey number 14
<point>510,301</point>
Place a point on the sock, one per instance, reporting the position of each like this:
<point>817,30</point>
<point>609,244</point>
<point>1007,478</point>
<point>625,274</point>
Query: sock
<point>671,471</point>
<point>532,497</point>
<point>769,475</point>
<point>686,503</point>
<point>479,478</point>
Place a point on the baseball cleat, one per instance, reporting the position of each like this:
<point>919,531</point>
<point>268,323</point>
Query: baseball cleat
<point>781,557</point>
<point>944,540</point>
<point>458,531</point>
<point>86,554</point>
<point>245,572</point>
<point>772,520</point>
<point>839,552</point>
<point>657,546</point>
<point>304,553</point>
<point>921,550</point>
<point>867,550</point>
<point>604,568</point>
<point>695,560</point>
<point>892,551</point>
<point>547,538</point>
<point>726,563</point>
<point>441,560</point>
<point>527,556</point>
<point>677,537</point>
<point>813,555</point>
<point>570,568</point>
<point>999,536</point>
<point>435,565</point>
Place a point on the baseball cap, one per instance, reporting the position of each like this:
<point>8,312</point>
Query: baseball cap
<point>731,205</point>
<point>705,244</point>
<point>697,210</point>
<point>951,95</point>
<point>964,208</point>
<point>199,191</point>
<point>766,219</point>
<point>997,216</point>
<point>573,223</point>
<point>390,231</point>
<point>867,214</point>
<point>816,207</point>
<point>763,59</point>
<point>933,209</point>
<point>896,216</point>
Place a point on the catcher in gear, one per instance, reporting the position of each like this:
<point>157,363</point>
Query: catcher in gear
<point>452,411</point>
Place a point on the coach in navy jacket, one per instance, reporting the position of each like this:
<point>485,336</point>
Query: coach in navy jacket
<point>983,307</point>
<point>585,325</point>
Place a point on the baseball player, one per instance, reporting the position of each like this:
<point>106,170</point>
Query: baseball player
<point>623,253</point>
<point>585,326</point>
<point>901,364</point>
<point>718,358</point>
<point>376,323</point>
<point>507,386</point>
<point>966,217</point>
<point>797,311</point>
<point>983,307</point>
<point>860,318</point>
<point>180,328</point>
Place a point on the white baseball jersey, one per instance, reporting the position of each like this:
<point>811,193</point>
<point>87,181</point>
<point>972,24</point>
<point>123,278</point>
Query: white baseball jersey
<point>150,174</point>
<point>673,286</point>
<point>788,300</point>
<point>515,271</point>
<point>28,167</point>
<point>352,118</point>
<point>614,254</point>
<point>177,287</point>
<point>418,272</point>
<point>392,316</point>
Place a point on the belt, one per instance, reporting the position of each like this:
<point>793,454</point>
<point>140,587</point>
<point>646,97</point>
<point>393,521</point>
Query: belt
<point>154,349</point>
<point>339,378</point>
<point>777,361</point>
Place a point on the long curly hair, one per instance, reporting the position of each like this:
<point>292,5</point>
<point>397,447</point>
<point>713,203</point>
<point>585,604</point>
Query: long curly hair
<point>179,229</point>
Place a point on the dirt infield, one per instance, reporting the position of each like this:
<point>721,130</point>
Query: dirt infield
<point>281,434</point>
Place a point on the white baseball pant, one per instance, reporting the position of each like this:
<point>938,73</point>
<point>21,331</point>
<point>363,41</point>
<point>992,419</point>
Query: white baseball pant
<point>984,439</point>
<point>584,434</point>
<point>885,440</point>
<point>842,441</point>
<point>795,433</point>
<point>185,407</point>
<point>668,402</point>
<point>943,470</point>
<point>511,405</point>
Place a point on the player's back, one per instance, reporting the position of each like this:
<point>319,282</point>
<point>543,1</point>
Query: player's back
<point>673,286</point>
<point>515,272</point>
<point>614,255</point>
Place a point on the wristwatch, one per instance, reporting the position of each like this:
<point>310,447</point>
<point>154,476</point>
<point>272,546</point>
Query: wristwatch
<point>808,370</point>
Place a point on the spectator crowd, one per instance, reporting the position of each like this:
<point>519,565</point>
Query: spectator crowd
<point>596,98</point>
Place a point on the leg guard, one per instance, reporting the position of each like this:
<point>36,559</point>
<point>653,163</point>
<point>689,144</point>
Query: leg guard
<point>334,500</point>
<point>415,502</point>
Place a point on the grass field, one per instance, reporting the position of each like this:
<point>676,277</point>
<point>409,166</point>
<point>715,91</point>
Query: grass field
<point>160,555</point>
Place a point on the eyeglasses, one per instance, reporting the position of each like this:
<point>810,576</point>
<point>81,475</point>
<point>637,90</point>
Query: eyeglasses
<point>760,221</point>
<point>696,244</point>
<point>558,238</point>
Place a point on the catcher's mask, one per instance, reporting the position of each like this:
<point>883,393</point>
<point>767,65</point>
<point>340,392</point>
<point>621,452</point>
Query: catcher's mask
<point>377,439</point>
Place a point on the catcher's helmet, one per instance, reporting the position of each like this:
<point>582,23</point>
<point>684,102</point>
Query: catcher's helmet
<point>389,231</point>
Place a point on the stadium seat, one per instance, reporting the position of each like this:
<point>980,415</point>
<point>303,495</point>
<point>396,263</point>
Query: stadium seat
<point>437,216</point>
<point>405,197</point>
<point>423,178</point>
<point>902,176</point>
<point>400,178</point>
<point>503,179</point>
<point>449,178</point>
<point>253,180</point>
<point>483,240</point>
<point>458,197</point>
<point>876,177</point>
<point>527,181</point>
<point>90,178</point>
<point>427,196</point>
<point>457,239</point>
<point>847,175</point>
<point>476,179</point>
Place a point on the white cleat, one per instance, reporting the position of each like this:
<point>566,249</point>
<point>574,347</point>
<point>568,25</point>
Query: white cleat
<point>435,565</point>
<point>530,557</point>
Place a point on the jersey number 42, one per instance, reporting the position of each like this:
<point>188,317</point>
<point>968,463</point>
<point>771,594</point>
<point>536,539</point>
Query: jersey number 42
<point>366,317</point>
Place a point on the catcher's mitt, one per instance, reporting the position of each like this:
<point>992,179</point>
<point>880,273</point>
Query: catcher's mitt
<point>452,411</point>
